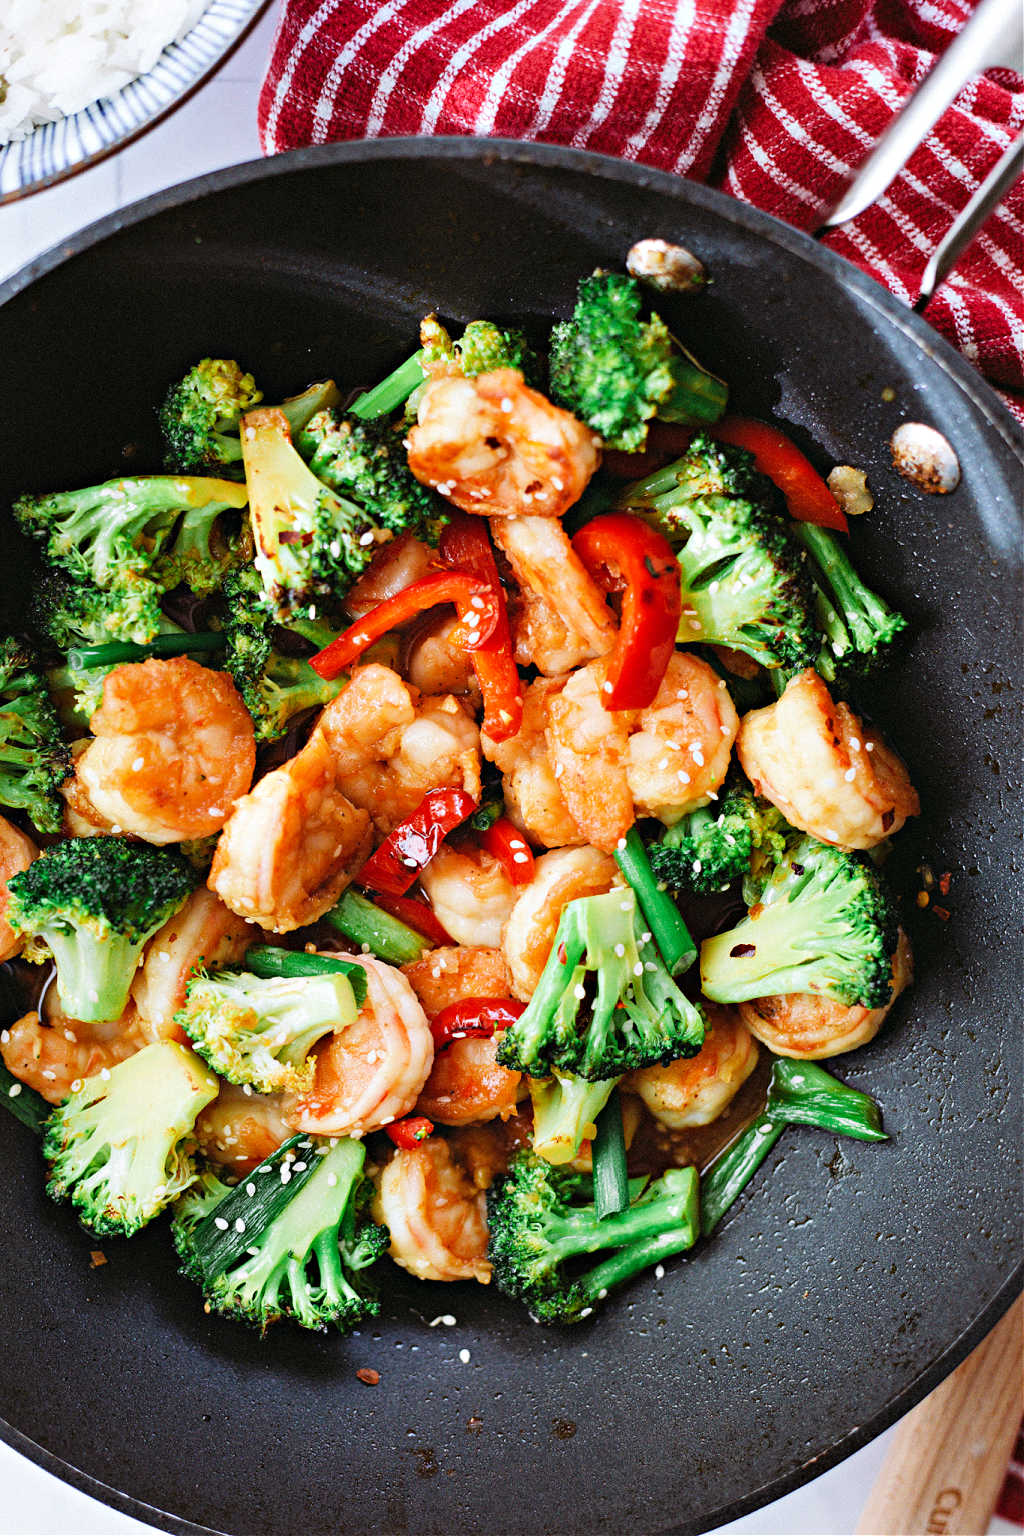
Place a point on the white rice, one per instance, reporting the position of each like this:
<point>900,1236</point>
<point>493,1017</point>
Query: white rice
<point>56,56</point>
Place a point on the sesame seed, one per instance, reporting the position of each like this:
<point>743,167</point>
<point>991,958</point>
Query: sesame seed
<point>105,1074</point>
<point>725,729</point>
<point>464,1356</point>
<point>855,743</point>
<point>138,764</point>
<point>659,1272</point>
<point>579,991</point>
<point>5,1035</point>
<point>506,405</point>
<point>250,1190</point>
<point>476,602</point>
<point>520,858</point>
<point>14,1090</point>
<point>638,969</point>
<point>239,1224</point>
<point>366,538</point>
<point>220,1223</point>
<point>683,776</point>
<point>606,687</point>
<point>850,775</point>
<point>621,843</point>
<point>332,1179</point>
<point>869,746</point>
<point>620,950</point>
<point>76,1085</point>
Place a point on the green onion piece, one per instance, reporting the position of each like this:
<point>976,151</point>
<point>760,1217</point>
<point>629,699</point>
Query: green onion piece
<point>391,392</point>
<point>24,1103</point>
<point>660,912</point>
<point>83,658</point>
<point>611,1182</point>
<point>802,1093</point>
<point>484,818</point>
<point>265,960</point>
<point>730,1173</point>
<point>387,938</point>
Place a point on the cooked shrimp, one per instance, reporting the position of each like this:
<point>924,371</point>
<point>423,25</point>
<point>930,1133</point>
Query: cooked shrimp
<point>391,747</point>
<point>660,761</point>
<point>81,818</point>
<point>485,1151</point>
<point>470,893</point>
<point>466,1084</point>
<point>828,773</point>
<point>495,446</point>
<point>239,1129</point>
<point>540,636</point>
<point>370,1072</point>
<point>16,853</point>
<point>810,1027</point>
<point>204,933</point>
<point>55,1057</point>
<point>579,622</point>
<point>430,663</point>
<point>532,797</point>
<point>290,846</point>
<point>395,566</point>
<point>437,1220</point>
<point>174,750</point>
<point>559,878</point>
<point>697,1090</point>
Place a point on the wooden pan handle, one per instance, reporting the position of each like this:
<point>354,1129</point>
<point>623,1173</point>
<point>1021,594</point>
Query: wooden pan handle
<point>948,1458</point>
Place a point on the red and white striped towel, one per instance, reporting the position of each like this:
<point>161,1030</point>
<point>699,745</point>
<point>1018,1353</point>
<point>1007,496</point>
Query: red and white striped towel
<point>776,101</point>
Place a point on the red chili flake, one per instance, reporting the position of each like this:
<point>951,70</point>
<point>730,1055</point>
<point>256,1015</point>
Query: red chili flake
<point>367,1376</point>
<point>96,1258</point>
<point>941,912</point>
<point>293,536</point>
<point>945,881</point>
<point>563,958</point>
<point>739,950</point>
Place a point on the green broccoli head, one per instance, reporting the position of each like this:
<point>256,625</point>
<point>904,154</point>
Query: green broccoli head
<point>824,922</point>
<point>564,1111</point>
<point>482,347</point>
<point>365,461</point>
<point>34,757</point>
<point>709,848</point>
<point>616,371</point>
<point>261,1030</point>
<point>744,578</point>
<point>292,1240</point>
<point>120,1147</point>
<point>200,414</point>
<point>605,1003</point>
<point>858,627</point>
<point>542,1221</point>
<point>92,902</point>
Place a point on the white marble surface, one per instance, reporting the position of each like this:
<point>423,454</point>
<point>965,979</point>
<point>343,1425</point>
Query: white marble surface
<point>217,127</point>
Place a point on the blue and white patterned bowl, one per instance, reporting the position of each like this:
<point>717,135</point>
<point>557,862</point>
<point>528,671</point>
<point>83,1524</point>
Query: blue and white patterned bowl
<point>57,150</point>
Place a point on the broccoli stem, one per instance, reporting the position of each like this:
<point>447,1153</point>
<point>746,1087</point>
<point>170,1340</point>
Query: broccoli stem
<point>865,613</point>
<point>644,1247</point>
<point>391,392</point>
<point>267,961</point>
<point>24,1103</point>
<point>661,913</point>
<point>611,1181</point>
<point>387,938</point>
<point>94,976</point>
<point>84,658</point>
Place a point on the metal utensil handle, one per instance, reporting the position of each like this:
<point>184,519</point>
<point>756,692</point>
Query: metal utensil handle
<point>967,223</point>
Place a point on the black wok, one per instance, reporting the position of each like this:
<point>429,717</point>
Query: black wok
<point>851,1278</point>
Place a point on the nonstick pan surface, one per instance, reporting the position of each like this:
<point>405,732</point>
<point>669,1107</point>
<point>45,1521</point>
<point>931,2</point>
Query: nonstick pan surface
<point>850,1278</point>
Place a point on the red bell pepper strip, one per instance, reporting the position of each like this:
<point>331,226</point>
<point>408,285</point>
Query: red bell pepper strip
<point>479,1016</point>
<point>408,1133</point>
<point>478,608</point>
<point>412,845</point>
<point>414,914</point>
<point>623,554</point>
<point>807,496</point>
<point>507,844</point>
<point>465,545</point>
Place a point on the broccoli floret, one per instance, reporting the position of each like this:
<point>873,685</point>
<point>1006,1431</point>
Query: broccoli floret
<point>120,1147</point>
<point>744,577</point>
<point>858,625</point>
<point>605,1003</point>
<point>296,1247</point>
<point>616,371</point>
<point>564,1111</point>
<point>542,1218</point>
<point>34,758</point>
<point>200,414</point>
<point>482,347</point>
<point>365,462</point>
<point>714,845</point>
<point>824,922</point>
<point>92,902</point>
<point>260,1030</point>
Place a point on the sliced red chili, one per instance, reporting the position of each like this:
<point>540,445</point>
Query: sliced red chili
<point>507,844</point>
<point>807,496</point>
<point>479,610</point>
<point>415,914</point>
<point>623,554</point>
<point>474,1016</point>
<point>408,1133</point>
<point>465,544</point>
<point>412,845</point>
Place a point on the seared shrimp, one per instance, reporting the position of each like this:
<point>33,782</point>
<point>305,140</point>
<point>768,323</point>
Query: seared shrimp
<point>495,446</point>
<point>81,818</point>
<point>696,1091</point>
<point>828,773</point>
<point>174,750</point>
<point>288,850</point>
<point>532,797</point>
<point>16,853</point>
<point>370,1072</point>
<point>559,878</point>
<point>466,1085</point>
<point>204,933</point>
<point>436,1218</point>
<point>660,761</point>
<point>470,893</point>
<point>578,623</point>
<point>390,747</point>
<point>430,663</point>
<point>239,1129</point>
<point>810,1027</point>
<point>55,1057</point>
<point>395,566</point>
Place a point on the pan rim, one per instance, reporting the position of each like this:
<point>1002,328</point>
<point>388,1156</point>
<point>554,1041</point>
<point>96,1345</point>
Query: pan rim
<point>764,226</point>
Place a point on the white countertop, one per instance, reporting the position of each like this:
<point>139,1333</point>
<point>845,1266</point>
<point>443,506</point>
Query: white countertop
<point>217,127</point>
